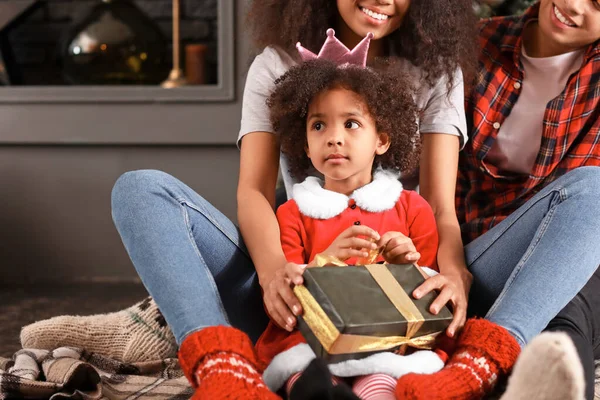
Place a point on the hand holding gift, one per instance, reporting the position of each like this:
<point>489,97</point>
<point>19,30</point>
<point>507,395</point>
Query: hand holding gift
<point>398,248</point>
<point>357,241</point>
<point>282,305</point>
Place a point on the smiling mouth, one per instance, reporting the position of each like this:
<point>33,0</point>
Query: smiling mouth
<point>562,18</point>
<point>373,14</point>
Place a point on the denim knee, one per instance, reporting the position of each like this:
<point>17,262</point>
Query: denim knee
<point>133,188</point>
<point>584,183</point>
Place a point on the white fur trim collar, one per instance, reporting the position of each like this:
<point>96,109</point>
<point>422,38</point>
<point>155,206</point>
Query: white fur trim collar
<point>379,195</point>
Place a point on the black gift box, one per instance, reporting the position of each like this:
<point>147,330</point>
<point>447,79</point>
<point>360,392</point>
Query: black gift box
<point>356,304</point>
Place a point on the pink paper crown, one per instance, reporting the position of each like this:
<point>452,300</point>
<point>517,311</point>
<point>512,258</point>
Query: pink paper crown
<point>334,50</point>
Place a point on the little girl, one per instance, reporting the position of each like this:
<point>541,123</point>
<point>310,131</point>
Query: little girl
<point>357,127</point>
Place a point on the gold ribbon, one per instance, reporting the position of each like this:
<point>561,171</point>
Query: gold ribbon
<point>399,298</point>
<point>335,342</point>
<point>323,260</point>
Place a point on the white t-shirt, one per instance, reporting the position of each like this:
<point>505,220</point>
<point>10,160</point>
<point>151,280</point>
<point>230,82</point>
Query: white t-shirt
<point>520,136</point>
<point>440,113</point>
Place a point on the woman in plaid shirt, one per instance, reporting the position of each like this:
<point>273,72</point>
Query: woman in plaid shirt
<point>528,196</point>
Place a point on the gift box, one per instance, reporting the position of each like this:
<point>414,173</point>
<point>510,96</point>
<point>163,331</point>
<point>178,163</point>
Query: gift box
<point>352,312</point>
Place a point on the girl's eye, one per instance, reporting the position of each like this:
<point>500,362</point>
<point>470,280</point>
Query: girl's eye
<point>596,4</point>
<point>317,126</point>
<point>352,125</point>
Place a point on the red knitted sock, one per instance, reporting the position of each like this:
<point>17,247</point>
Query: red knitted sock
<point>221,364</point>
<point>484,351</point>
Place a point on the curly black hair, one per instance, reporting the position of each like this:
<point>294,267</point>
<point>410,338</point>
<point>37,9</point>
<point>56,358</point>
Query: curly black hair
<point>438,36</point>
<point>385,90</point>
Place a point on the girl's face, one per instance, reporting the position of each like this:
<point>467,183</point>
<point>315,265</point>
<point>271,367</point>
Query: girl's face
<point>568,25</point>
<point>380,17</point>
<point>342,139</point>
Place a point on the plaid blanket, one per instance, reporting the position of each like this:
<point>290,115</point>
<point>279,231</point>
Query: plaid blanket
<point>72,373</point>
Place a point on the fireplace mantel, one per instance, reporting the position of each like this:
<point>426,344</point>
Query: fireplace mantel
<point>134,115</point>
<point>222,92</point>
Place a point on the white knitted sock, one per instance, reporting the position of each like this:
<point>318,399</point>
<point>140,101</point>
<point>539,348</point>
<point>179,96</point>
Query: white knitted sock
<point>547,369</point>
<point>138,333</point>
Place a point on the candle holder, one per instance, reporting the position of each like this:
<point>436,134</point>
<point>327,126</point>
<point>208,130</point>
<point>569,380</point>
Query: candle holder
<point>114,43</point>
<point>176,77</point>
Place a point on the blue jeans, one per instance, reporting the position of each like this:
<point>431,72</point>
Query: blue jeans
<point>529,266</point>
<point>190,257</point>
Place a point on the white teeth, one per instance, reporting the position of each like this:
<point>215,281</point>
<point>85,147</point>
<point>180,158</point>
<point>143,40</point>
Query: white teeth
<point>562,18</point>
<point>381,17</point>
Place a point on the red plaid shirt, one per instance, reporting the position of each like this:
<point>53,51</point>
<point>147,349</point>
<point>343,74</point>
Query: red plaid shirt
<point>571,130</point>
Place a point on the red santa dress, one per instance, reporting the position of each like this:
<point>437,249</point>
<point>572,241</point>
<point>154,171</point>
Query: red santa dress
<point>309,223</point>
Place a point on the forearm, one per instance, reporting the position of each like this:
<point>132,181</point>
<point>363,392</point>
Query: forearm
<point>450,249</point>
<point>437,180</point>
<point>260,231</point>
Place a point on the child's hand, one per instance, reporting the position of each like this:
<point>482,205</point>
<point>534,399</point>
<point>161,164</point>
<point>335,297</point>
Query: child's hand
<point>355,241</point>
<point>398,249</point>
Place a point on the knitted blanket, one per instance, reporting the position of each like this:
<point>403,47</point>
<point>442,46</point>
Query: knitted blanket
<point>597,395</point>
<point>72,373</point>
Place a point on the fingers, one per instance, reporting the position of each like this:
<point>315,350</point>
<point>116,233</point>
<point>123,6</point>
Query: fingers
<point>447,294</point>
<point>460,317</point>
<point>361,230</point>
<point>345,254</point>
<point>281,314</point>
<point>399,256</point>
<point>358,243</point>
<point>354,247</point>
<point>291,301</point>
<point>399,243</point>
<point>280,300</point>
<point>294,273</point>
<point>385,238</point>
<point>413,257</point>
<point>435,282</point>
<point>444,297</point>
<point>400,249</point>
